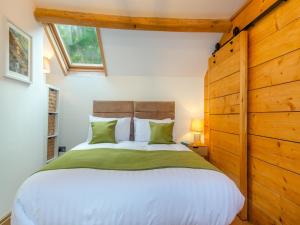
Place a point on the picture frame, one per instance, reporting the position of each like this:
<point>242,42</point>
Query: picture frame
<point>18,53</point>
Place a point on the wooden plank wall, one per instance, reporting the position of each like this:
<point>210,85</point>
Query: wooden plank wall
<point>206,110</point>
<point>274,117</point>
<point>248,13</point>
<point>226,114</point>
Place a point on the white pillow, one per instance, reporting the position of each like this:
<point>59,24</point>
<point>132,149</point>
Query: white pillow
<point>122,131</point>
<point>142,129</point>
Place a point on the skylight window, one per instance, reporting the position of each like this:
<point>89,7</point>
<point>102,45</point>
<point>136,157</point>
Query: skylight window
<point>81,44</point>
<point>78,48</point>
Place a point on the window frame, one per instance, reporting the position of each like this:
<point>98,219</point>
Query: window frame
<point>63,57</point>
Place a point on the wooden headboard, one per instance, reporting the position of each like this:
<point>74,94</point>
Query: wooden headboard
<point>154,110</point>
<point>140,109</point>
<point>113,109</point>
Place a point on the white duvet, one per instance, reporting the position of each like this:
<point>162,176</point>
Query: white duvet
<point>173,196</point>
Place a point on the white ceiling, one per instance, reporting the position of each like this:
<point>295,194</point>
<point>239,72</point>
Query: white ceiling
<point>151,8</point>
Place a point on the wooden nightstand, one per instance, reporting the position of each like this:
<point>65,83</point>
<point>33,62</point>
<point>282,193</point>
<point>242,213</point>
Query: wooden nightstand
<point>201,150</point>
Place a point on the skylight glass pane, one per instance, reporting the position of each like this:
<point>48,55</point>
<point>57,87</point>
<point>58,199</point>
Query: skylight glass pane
<point>81,44</point>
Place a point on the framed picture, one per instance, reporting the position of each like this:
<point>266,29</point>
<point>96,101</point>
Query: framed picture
<point>18,54</point>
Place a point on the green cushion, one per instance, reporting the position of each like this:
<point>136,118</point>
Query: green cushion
<point>103,132</point>
<point>161,133</point>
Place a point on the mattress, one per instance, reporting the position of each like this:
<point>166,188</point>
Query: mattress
<point>170,196</point>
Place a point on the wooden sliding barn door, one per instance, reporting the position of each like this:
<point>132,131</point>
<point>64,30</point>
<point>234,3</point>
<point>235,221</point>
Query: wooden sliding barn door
<point>226,111</point>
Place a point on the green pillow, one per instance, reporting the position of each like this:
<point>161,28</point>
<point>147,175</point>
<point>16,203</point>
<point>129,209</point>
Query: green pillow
<point>103,132</point>
<point>161,133</point>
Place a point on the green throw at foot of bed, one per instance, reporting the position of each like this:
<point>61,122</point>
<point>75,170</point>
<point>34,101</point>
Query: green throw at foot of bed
<point>125,159</point>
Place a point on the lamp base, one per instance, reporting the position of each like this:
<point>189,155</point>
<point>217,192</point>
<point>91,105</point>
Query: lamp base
<point>197,140</point>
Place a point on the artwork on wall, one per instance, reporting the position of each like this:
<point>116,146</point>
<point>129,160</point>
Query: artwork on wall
<point>18,54</point>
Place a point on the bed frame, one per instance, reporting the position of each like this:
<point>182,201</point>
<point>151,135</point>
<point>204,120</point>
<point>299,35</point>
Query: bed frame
<point>149,110</point>
<point>139,109</point>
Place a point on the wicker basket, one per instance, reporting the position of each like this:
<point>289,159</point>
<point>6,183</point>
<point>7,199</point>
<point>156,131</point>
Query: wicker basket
<point>51,124</point>
<point>52,100</point>
<point>51,148</point>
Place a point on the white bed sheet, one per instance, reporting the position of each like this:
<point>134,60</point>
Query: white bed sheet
<point>172,196</point>
<point>136,145</point>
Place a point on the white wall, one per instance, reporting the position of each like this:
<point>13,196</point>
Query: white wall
<point>22,109</point>
<point>141,66</point>
<point>79,91</point>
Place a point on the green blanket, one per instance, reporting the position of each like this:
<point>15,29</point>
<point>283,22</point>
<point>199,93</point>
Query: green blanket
<point>124,159</point>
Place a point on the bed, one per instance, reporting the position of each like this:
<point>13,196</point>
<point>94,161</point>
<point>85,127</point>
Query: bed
<point>162,196</point>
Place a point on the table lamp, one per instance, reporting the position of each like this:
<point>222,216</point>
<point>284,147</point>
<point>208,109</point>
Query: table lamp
<point>197,126</point>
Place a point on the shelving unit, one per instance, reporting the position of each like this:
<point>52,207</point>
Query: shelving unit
<point>53,118</point>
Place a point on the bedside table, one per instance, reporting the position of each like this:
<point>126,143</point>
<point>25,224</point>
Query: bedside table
<point>201,150</point>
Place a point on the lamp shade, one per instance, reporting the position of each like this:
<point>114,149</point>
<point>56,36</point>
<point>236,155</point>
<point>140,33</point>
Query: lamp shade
<point>197,125</point>
<point>46,65</point>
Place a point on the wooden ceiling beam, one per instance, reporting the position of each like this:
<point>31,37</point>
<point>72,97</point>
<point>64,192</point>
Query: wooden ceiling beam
<point>131,23</point>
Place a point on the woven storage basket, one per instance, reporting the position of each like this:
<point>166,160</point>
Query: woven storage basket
<point>52,100</point>
<point>51,124</point>
<point>51,148</point>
